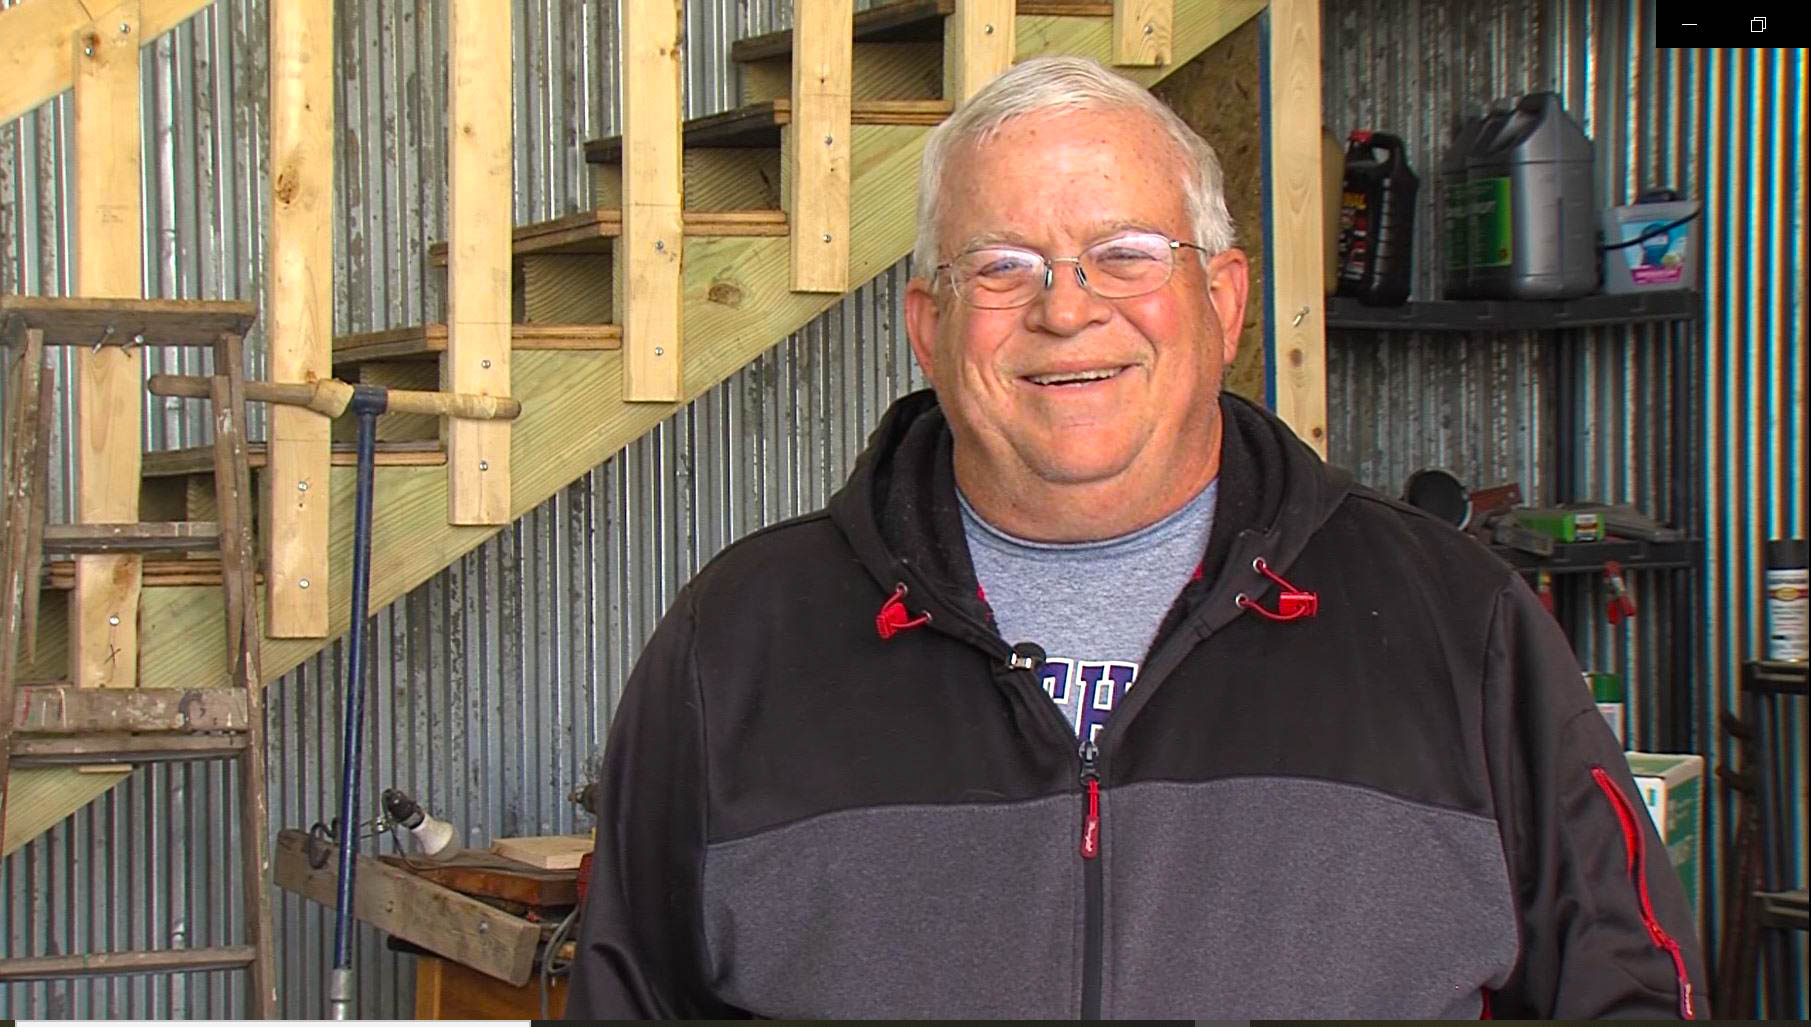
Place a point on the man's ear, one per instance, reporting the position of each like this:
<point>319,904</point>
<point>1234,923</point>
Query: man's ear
<point>1228,282</point>
<point>922,320</point>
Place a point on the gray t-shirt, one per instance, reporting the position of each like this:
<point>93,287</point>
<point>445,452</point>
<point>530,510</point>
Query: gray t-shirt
<point>1094,607</point>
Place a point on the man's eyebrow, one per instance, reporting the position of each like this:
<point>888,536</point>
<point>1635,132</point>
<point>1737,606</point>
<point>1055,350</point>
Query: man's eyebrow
<point>1104,230</point>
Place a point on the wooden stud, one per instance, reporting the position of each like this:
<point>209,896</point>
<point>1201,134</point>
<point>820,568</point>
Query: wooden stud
<point>1300,357</point>
<point>478,264</point>
<point>978,43</point>
<point>649,268</point>
<point>738,301</point>
<point>1141,31</point>
<point>108,220</point>
<point>299,314</point>
<point>36,64</point>
<point>816,147</point>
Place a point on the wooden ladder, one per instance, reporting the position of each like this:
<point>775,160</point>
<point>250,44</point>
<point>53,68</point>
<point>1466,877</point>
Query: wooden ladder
<point>60,724</point>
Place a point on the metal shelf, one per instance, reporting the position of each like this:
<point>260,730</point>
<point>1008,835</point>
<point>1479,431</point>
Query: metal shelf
<point>1344,313</point>
<point>1590,557</point>
<point>1776,677</point>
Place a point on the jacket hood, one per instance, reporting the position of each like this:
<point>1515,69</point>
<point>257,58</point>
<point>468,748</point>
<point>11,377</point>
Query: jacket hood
<point>900,513</point>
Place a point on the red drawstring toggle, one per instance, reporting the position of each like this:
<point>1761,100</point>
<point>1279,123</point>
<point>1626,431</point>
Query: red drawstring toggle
<point>893,617</point>
<point>1292,603</point>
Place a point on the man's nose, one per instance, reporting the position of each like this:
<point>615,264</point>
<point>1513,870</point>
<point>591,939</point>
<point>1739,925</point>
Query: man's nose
<point>1068,305</point>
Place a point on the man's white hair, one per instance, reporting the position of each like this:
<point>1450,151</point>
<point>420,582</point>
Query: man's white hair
<point>1045,84</point>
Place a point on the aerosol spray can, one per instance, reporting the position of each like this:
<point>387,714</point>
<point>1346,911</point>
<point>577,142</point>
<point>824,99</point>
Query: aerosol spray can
<point>1786,599</point>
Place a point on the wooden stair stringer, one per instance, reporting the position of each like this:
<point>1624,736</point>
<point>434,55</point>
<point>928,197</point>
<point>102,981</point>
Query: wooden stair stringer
<point>738,304</point>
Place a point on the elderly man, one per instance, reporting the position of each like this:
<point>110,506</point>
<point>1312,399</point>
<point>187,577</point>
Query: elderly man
<point>1095,693</point>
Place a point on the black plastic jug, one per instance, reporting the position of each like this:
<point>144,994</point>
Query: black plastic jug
<point>1376,220</point>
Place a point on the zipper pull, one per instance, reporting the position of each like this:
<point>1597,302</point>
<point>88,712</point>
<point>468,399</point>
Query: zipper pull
<point>1091,823</point>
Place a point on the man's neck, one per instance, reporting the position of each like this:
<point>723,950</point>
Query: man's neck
<point>1043,511</point>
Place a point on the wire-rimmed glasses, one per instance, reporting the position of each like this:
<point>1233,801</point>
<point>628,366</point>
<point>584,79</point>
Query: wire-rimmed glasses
<point>1124,266</point>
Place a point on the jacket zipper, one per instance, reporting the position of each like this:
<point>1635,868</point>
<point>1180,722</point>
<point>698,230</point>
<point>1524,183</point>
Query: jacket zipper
<point>1092,926</point>
<point>1635,843</point>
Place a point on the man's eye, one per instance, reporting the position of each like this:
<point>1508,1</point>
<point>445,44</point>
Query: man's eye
<point>996,265</point>
<point>1125,255</point>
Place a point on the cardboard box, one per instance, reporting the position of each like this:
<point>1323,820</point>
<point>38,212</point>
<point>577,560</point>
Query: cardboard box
<point>1672,788</point>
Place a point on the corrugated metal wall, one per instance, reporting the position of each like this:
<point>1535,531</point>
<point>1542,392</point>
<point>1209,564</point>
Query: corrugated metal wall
<point>1725,127</point>
<point>491,682</point>
<point>487,707</point>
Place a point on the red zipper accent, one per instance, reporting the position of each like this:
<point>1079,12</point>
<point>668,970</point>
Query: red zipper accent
<point>1635,845</point>
<point>1091,824</point>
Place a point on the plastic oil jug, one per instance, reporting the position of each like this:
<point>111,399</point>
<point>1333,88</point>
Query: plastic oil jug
<point>1533,226</point>
<point>1376,220</point>
<point>1454,205</point>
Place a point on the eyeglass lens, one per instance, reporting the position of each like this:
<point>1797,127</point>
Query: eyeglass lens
<point>1116,268</point>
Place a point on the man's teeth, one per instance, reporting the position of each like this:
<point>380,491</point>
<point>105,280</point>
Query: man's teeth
<point>1075,376</point>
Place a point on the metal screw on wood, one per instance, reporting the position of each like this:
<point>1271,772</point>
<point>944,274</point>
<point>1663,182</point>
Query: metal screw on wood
<point>484,927</point>
<point>124,27</point>
<point>829,140</point>
<point>301,582</point>
<point>88,50</point>
<point>1299,316</point>
<point>660,351</point>
<point>484,364</point>
<point>987,30</point>
<point>826,236</point>
<point>659,246</point>
<point>106,333</point>
<point>113,620</point>
<point>1148,30</point>
<point>301,486</point>
<point>484,465</point>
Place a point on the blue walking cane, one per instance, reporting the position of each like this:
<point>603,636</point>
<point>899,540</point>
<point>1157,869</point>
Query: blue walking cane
<point>333,398</point>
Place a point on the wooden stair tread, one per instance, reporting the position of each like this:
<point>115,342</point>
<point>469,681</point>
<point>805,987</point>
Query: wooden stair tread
<point>83,321</point>
<point>906,21</point>
<point>422,341</point>
<point>65,709</point>
<point>143,536</point>
<point>590,231</point>
<point>164,463</point>
<point>757,125</point>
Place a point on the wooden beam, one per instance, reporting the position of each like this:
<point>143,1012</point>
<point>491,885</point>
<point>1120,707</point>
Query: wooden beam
<point>84,320</point>
<point>414,909</point>
<point>480,191</point>
<point>740,304</point>
<point>36,63</point>
<point>978,43</point>
<point>62,710</point>
<point>1300,356</point>
<point>649,269</point>
<point>816,147</point>
<point>104,612</point>
<point>1141,31</point>
<point>299,321</point>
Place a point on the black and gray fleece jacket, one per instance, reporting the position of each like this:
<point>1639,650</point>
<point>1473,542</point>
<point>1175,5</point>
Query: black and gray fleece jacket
<point>832,789</point>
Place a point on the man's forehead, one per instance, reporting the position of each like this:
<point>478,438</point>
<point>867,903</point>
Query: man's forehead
<point>1031,236</point>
